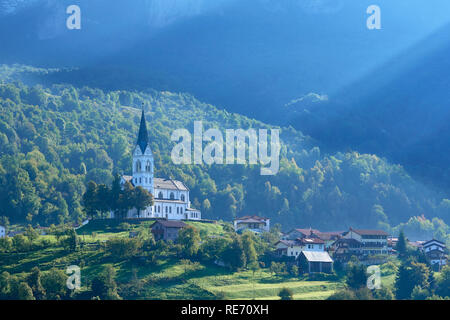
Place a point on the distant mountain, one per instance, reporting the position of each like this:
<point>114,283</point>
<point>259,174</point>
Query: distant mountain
<point>400,110</point>
<point>250,56</point>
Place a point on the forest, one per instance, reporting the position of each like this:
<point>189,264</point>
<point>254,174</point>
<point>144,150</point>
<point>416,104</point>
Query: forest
<point>55,139</point>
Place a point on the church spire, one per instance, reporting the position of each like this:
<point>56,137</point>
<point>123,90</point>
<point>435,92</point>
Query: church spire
<point>142,141</point>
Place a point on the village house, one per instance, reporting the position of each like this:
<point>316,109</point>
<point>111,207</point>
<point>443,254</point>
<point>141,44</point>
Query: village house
<point>2,232</point>
<point>342,249</point>
<point>435,251</point>
<point>327,237</point>
<point>299,233</point>
<point>315,261</point>
<point>252,223</point>
<point>288,248</point>
<point>167,229</point>
<point>373,242</point>
<point>293,248</point>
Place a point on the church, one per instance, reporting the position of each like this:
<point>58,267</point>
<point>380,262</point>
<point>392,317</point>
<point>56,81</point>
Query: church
<point>171,197</point>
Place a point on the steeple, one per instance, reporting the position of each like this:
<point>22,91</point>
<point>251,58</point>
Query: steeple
<point>142,140</point>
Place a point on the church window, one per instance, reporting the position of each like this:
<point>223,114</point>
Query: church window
<point>160,195</point>
<point>182,197</point>
<point>172,196</point>
<point>138,166</point>
<point>181,210</point>
<point>170,209</point>
<point>178,210</point>
<point>148,166</point>
<point>146,180</point>
<point>140,180</point>
<point>166,209</point>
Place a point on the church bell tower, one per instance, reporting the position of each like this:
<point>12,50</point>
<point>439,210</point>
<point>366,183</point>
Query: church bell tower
<point>143,159</point>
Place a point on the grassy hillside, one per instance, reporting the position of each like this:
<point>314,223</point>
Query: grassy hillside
<point>167,278</point>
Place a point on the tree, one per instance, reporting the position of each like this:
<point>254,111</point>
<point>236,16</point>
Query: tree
<point>363,293</point>
<point>419,293</point>
<point>356,276</point>
<point>343,295</point>
<point>54,283</point>
<point>383,294</point>
<point>278,268</point>
<point>34,281</point>
<point>4,221</point>
<point>248,245</point>
<point>104,284</point>
<point>410,274</point>
<point>212,248</point>
<point>90,199</point>
<point>123,248</point>
<point>234,254</point>
<point>189,238</point>
<point>141,199</point>
<point>286,294</point>
<point>206,206</point>
<point>24,292</point>
<point>5,285</point>
<point>71,241</point>
<point>443,282</point>
<point>294,270</point>
<point>103,204</point>
<point>31,233</point>
<point>401,246</point>
<point>116,197</point>
<point>21,243</point>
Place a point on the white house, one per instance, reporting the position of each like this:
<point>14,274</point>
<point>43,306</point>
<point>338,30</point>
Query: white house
<point>293,248</point>
<point>253,223</point>
<point>2,232</point>
<point>289,248</point>
<point>171,197</point>
<point>435,251</point>
<point>372,241</point>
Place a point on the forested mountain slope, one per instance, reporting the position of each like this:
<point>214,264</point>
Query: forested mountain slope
<point>54,140</point>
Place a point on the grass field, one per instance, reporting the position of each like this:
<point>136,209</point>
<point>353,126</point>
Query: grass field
<point>168,278</point>
<point>263,285</point>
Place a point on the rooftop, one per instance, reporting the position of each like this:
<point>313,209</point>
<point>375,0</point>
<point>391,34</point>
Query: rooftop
<point>254,217</point>
<point>317,256</point>
<point>163,183</point>
<point>170,223</point>
<point>367,232</point>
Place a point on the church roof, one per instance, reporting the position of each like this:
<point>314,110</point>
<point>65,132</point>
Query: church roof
<point>162,183</point>
<point>170,184</point>
<point>142,140</point>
